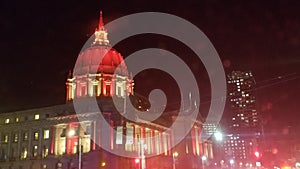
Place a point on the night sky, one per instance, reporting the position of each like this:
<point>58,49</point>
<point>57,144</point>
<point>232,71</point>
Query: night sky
<point>40,41</point>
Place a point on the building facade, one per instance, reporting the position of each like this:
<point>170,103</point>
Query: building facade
<point>63,137</point>
<point>244,129</point>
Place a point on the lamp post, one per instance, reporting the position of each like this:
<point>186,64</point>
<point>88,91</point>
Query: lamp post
<point>203,158</point>
<point>174,155</point>
<point>70,134</point>
<point>218,140</point>
<point>231,161</point>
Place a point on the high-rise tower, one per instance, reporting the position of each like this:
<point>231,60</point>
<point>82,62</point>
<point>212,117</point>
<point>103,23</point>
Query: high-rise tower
<point>243,130</point>
<point>242,99</point>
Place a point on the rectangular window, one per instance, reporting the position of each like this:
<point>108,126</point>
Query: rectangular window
<point>25,136</point>
<point>13,155</point>
<point>6,121</point>
<point>95,90</point>
<point>46,134</point>
<point>16,137</point>
<point>36,136</point>
<point>36,116</point>
<point>35,151</point>
<point>5,139</point>
<point>3,154</point>
<point>83,91</point>
<point>45,152</point>
<point>107,90</point>
<point>16,119</point>
<point>24,153</point>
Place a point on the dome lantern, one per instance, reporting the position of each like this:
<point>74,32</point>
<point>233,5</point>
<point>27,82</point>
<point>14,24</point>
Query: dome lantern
<point>101,33</point>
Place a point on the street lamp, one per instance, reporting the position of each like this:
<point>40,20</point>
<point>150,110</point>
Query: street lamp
<point>175,155</point>
<point>203,158</point>
<point>231,161</point>
<point>218,136</point>
<point>71,134</point>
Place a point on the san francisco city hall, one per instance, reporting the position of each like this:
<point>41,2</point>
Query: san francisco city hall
<point>52,137</point>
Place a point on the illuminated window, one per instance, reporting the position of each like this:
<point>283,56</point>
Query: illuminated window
<point>36,116</point>
<point>45,152</point>
<point>36,136</point>
<point>25,136</point>
<point>16,137</point>
<point>46,134</point>
<point>24,153</point>
<point>16,119</point>
<point>6,121</point>
<point>35,151</point>
<point>5,138</point>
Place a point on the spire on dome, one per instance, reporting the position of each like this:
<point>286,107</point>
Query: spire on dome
<point>101,23</point>
<point>101,33</point>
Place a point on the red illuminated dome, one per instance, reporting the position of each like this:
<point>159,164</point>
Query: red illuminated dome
<point>100,59</point>
<point>100,71</point>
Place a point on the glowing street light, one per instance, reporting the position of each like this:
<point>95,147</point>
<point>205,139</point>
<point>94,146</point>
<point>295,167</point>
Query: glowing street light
<point>218,136</point>
<point>175,155</point>
<point>231,162</point>
<point>71,133</point>
<point>257,154</point>
<point>203,158</point>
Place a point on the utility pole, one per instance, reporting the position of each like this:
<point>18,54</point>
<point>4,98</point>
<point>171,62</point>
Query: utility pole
<point>79,150</point>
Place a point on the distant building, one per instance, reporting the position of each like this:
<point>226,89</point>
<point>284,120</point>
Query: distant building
<point>242,99</point>
<point>58,137</point>
<point>243,130</point>
<point>209,129</point>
